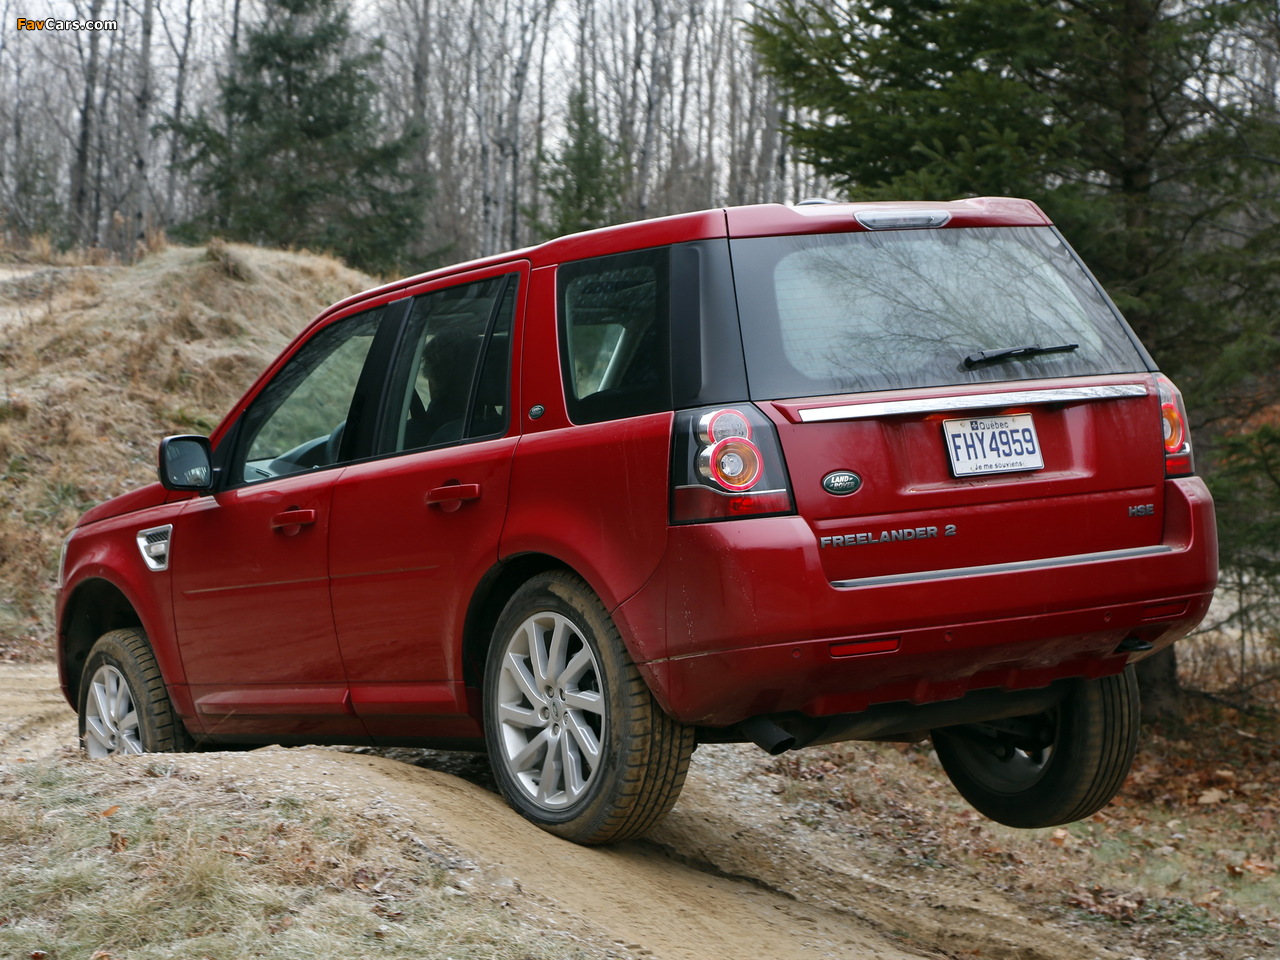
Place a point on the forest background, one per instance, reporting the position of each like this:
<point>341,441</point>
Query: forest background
<point>405,134</point>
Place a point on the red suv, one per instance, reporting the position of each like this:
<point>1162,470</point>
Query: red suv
<point>789,475</point>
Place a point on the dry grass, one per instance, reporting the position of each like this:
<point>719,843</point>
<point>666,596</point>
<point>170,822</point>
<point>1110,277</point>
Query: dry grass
<point>100,362</point>
<point>151,860</point>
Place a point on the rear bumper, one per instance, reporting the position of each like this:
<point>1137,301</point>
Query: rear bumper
<point>752,625</point>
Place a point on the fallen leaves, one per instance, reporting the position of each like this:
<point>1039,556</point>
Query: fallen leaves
<point>1244,864</point>
<point>1212,796</point>
<point>1110,904</point>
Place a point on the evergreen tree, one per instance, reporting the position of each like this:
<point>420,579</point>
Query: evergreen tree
<point>303,158</point>
<point>1124,119</point>
<point>1115,115</point>
<point>584,181</point>
<point>1247,487</point>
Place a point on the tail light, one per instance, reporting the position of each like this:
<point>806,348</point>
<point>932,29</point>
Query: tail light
<point>734,464</point>
<point>726,464</point>
<point>1178,459</point>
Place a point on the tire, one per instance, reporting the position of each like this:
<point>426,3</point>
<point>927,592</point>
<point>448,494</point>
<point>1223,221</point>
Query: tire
<point>124,707</point>
<point>577,743</point>
<point>1049,768</point>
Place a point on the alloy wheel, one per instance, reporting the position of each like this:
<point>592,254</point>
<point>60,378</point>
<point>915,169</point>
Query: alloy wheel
<point>551,711</point>
<point>111,716</point>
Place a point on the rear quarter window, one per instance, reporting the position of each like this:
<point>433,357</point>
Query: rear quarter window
<point>845,313</point>
<point>615,334</point>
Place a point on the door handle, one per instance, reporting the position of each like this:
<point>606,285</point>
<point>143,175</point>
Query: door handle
<point>449,497</point>
<point>292,520</point>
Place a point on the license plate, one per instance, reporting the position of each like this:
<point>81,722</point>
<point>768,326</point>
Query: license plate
<point>992,445</point>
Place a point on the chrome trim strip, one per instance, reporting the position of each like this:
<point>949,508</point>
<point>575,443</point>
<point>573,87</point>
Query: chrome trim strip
<point>992,569</point>
<point>971,401</point>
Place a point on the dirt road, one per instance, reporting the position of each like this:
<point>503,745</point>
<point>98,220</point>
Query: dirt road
<point>730,875</point>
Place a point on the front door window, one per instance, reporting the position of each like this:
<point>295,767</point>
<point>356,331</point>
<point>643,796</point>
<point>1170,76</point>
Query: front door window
<point>299,421</point>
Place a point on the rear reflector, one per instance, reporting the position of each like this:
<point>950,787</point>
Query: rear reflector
<point>1166,611</point>
<point>855,648</point>
<point>692,503</point>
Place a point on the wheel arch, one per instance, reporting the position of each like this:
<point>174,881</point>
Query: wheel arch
<point>487,602</point>
<point>94,608</point>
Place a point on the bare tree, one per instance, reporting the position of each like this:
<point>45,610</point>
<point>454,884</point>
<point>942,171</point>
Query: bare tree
<point>83,229</point>
<point>180,47</point>
<point>136,202</point>
<point>485,83</point>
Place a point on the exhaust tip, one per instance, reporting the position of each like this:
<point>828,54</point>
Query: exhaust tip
<point>1134,645</point>
<point>767,735</point>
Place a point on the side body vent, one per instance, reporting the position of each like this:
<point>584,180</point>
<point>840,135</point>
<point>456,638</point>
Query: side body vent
<point>154,544</point>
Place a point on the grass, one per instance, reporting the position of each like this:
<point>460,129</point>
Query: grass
<point>119,859</point>
<point>56,502</point>
<point>100,362</point>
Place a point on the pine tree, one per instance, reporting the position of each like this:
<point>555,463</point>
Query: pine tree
<point>1100,111</point>
<point>302,157</point>
<point>583,181</point>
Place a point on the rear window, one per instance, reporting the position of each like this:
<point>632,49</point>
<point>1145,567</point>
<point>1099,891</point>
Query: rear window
<point>854,312</point>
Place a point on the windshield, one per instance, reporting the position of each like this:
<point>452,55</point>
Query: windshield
<point>853,312</point>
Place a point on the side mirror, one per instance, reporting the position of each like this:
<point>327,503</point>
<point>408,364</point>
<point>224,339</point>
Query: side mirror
<point>186,463</point>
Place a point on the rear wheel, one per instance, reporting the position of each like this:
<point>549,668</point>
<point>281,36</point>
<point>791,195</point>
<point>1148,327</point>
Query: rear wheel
<point>577,742</point>
<point>124,707</point>
<point>1049,768</point>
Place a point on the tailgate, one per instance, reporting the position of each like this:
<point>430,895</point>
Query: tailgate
<point>954,479</point>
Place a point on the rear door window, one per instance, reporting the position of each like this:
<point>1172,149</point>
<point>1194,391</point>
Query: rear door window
<point>455,366</point>
<point>854,312</point>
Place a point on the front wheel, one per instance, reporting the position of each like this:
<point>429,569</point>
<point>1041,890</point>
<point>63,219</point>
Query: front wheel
<point>1049,768</point>
<point>577,742</point>
<point>124,707</point>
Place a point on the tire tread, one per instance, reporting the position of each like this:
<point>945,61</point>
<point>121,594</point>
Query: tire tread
<point>166,731</point>
<point>1099,729</point>
<point>659,748</point>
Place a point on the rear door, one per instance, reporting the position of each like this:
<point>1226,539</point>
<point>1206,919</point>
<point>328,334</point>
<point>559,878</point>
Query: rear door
<point>950,400</point>
<point>415,529</point>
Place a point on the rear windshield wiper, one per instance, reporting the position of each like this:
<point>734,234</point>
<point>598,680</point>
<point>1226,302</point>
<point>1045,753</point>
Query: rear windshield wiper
<point>994,356</point>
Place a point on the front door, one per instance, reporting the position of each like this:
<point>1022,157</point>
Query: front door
<point>250,563</point>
